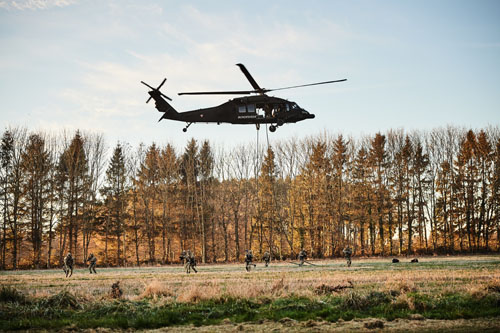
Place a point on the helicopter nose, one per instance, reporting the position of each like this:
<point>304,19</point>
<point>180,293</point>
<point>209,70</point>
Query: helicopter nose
<point>311,116</point>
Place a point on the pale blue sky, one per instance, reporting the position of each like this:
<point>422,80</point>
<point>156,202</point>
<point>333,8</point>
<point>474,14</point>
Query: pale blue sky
<point>68,64</point>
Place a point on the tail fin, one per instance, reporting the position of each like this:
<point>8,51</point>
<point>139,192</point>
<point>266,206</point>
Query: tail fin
<point>161,104</point>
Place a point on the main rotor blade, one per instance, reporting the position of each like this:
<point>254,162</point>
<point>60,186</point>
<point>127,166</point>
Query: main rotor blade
<point>249,77</point>
<point>243,92</point>
<point>305,85</point>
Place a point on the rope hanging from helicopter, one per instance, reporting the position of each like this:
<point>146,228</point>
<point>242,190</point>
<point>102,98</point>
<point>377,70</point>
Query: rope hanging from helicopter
<point>267,136</point>
<point>257,164</point>
<point>257,152</point>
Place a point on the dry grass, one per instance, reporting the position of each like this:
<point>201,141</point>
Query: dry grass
<point>279,280</point>
<point>196,293</point>
<point>156,289</point>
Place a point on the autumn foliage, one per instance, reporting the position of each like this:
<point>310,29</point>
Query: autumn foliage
<point>390,193</point>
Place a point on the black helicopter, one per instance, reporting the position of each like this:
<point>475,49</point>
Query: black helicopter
<point>259,109</point>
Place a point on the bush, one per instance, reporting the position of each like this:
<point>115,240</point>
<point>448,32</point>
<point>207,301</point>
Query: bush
<point>354,301</point>
<point>62,300</point>
<point>12,295</point>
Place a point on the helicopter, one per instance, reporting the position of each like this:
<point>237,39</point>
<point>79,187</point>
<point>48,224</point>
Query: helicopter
<point>257,109</point>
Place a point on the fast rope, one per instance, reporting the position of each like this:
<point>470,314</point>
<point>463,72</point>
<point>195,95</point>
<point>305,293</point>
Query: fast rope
<point>267,135</point>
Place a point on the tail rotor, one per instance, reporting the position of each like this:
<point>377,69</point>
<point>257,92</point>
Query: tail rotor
<point>156,90</point>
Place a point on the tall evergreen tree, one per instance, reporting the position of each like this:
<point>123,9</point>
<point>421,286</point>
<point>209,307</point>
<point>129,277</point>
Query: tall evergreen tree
<point>378,161</point>
<point>116,191</point>
<point>35,163</point>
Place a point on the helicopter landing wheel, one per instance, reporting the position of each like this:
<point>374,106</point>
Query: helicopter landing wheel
<point>280,122</point>
<point>186,128</point>
<point>272,128</point>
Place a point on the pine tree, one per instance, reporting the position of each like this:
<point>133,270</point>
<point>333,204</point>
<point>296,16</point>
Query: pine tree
<point>35,164</point>
<point>115,191</point>
<point>378,163</point>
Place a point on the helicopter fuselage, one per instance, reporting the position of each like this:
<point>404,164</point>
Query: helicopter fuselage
<point>261,109</point>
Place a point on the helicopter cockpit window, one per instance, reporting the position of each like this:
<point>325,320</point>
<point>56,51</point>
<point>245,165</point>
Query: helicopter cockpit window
<point>242,109</point>
<point>251,108</point>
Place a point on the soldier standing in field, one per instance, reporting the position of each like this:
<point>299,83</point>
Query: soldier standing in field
<point>192,263</point>
<point>302,257</point>
<point>92,263</point>
<point>186,257</point>
<point>68,264</point>
<point>248,260</point>
<point>348,253</point>
<point>267,258</point>
<point>183,257</point>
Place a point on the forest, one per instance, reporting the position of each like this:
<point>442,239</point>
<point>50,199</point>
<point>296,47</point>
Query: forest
<point>393,193</point>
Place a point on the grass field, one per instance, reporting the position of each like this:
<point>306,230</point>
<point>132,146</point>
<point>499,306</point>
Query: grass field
<point>438,293</point>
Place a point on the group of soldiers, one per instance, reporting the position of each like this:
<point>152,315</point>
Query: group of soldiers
<point>68,264</point>
<point>347,253</point>
<point>302,258</point>
<point>188,260</point>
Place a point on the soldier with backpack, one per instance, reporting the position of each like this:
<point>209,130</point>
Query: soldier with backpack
<point>68,264</point>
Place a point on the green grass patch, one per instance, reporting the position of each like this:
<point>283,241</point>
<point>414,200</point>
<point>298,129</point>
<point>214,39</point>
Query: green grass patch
<point>64,309</point>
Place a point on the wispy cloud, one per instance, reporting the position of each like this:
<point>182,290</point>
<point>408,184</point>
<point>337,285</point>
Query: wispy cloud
<point>34,4</point>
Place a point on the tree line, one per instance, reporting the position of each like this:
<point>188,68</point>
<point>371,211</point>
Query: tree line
<point>393,193</point>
